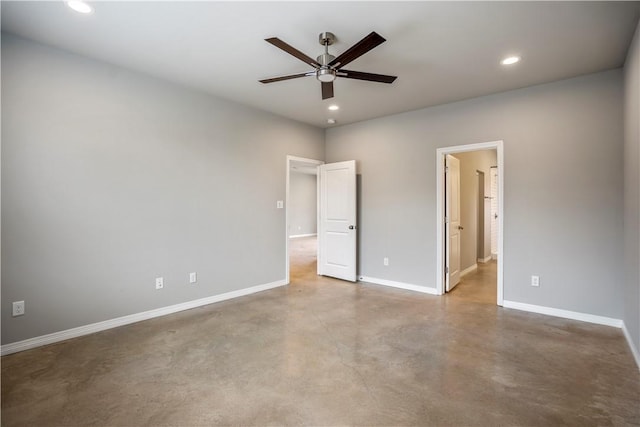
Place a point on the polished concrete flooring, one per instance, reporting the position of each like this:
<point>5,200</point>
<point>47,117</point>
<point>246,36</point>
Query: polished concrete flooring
<point>330,353</point>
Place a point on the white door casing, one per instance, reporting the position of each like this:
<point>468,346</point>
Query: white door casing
<point>452,227</point>
<point>337,227</point>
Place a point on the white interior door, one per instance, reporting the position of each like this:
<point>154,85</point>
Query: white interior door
<point>337,228</point>
<point>452,226</point>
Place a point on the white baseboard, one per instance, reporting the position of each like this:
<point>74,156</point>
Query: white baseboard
<point>294,236</point>
<point>485,260</point>
<point>391,283</point>
<point>634,350</point>
<point>468,270</point>
<point>132,318</point>
<point>574,315</point>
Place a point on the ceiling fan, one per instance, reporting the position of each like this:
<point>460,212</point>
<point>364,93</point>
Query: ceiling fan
<point>328,67</point>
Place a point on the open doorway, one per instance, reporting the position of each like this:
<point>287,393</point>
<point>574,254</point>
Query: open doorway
<point>466,267</point>
<point>302,217</point>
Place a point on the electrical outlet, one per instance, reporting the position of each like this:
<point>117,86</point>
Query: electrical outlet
<point>18,308</point>
<point>192,277</point>
<point>535,280</point>
<point>385,261</point>
<point>159,283</point>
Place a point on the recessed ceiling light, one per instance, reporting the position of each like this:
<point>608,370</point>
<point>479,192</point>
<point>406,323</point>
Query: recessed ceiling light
<point>510,60</point>
<point>331,121</point>
<point>80,6</point>
<point>333,107</point>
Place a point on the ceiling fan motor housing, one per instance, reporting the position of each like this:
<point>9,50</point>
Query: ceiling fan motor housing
<point>325,58</point>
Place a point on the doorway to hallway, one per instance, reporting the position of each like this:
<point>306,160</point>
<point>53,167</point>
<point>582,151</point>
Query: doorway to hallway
<point>464,221</point>
<point>301,215</point>
<point>329,213</point>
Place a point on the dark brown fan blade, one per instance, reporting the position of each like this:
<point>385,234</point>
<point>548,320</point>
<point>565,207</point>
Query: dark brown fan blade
<point>327,90</point>
<point>381,78</point>
<point>279,79</point>
<point>357,50</point>
<point>292,51</point>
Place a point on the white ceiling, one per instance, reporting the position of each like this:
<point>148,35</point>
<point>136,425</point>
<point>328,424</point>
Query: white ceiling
<point>440,51</point>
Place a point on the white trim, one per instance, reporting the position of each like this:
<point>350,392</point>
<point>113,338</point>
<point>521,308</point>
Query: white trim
<point>296,236</point>
<point>484,260</point>
<point>400,285</point>
<point>286,208</point>
<point>494,256</point>
<point>132,318</point>
<point>634,350</point>
<point>468,270</point>
<point>557,312</point>
<point>440,154</point>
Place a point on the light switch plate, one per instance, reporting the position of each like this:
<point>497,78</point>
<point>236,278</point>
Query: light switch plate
<point>280,204</point>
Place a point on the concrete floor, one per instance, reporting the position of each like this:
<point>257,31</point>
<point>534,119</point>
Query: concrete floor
<point>326,352</point>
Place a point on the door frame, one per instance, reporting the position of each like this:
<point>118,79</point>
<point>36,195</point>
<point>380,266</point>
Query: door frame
<point>310,162</point>
<point>440,206</point>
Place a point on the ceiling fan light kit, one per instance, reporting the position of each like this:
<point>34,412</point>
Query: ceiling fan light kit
<point>326,75</point>
<point>328,67</point>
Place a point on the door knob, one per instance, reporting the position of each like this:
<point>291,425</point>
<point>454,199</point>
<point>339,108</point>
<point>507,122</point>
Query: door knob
<point>351,227</point>
<point>460,227</point>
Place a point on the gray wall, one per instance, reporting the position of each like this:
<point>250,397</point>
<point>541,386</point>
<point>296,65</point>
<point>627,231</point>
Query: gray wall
<point>563,188</point>
<point>302,204</point>
<point>111,178</point>
<point>470,163</point>
<point>631,192</point>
